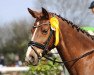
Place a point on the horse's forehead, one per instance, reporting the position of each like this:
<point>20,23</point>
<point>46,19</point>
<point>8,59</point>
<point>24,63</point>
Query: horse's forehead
<point>40,21</point>
<point>37,23</point>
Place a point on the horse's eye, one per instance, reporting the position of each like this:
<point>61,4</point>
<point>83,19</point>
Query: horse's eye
<point>44,31</point>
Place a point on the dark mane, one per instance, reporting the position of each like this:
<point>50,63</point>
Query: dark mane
<point>75,26</point>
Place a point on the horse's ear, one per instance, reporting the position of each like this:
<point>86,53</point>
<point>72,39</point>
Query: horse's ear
<point>33,13</point>
<point>45,13</point>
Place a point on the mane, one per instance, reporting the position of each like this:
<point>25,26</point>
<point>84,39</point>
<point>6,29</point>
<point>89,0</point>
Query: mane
<point>75,26</point>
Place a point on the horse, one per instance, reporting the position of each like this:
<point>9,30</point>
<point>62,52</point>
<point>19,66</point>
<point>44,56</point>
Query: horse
<point>74,45</point>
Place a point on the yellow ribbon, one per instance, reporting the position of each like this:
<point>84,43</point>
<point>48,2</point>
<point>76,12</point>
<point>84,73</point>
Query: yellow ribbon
<point>55,25</point>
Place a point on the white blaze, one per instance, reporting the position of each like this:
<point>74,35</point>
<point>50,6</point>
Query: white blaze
<point>34,32</point>
<point>32,39</point>
<point>28,51</point>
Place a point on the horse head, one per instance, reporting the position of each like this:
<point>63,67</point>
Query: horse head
<point>42,36</point>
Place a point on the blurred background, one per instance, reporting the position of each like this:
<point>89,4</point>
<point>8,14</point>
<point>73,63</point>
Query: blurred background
<point>16,23</point>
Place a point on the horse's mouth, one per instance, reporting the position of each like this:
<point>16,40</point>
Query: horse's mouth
<point>31,61</point>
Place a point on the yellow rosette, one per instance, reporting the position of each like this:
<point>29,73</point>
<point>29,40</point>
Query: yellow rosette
<point>55,25</point>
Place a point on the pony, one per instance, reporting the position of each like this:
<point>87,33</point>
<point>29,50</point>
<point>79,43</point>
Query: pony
<point>74,45</point>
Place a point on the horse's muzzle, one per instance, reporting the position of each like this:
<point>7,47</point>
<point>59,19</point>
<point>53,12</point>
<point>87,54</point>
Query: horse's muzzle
<point>31,61</point>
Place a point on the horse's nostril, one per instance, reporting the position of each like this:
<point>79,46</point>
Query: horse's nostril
<point>32,57</point>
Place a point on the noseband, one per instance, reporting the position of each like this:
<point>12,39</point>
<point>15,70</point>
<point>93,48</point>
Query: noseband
<point>44,47</point>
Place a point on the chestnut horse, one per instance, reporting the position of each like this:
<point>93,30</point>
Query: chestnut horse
<point>73,44</point>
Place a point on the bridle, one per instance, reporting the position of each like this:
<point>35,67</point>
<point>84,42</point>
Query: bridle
<point>44,47</point>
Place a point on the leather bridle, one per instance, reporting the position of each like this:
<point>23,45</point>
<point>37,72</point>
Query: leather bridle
<point>44,47</point>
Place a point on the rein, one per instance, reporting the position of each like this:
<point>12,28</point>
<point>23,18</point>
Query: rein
<point>67,61</point>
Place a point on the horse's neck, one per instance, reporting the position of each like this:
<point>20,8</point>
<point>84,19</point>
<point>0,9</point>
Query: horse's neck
<point>73,43</point>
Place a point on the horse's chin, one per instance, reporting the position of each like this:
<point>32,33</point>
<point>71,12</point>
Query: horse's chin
<point>35,63</point>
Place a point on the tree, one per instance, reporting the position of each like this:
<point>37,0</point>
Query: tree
<point>74,10</point>
<point>14,39</point>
